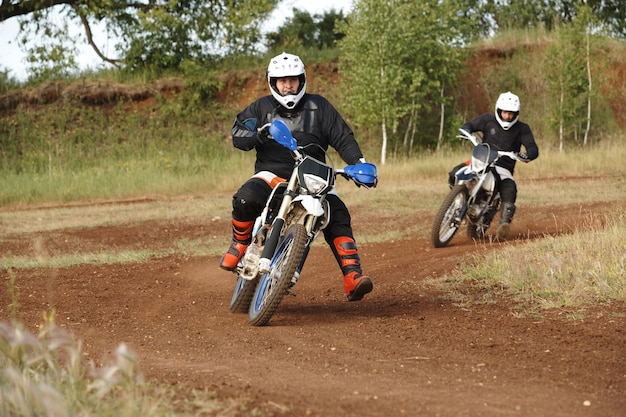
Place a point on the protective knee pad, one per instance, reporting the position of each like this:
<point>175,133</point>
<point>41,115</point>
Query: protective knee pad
<point>249,200</point>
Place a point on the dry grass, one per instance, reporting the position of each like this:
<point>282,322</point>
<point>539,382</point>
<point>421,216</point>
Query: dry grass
<point>587,267</point>
<point>46,374</point>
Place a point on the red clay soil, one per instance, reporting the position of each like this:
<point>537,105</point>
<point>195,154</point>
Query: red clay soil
<point>405,350</point>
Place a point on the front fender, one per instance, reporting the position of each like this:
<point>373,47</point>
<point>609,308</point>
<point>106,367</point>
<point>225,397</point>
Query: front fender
<point>311,204</point>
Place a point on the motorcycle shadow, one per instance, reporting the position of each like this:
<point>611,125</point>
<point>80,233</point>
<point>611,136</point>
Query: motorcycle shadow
<point>374,307</point>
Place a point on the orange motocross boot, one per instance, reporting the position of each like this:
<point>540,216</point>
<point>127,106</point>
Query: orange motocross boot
<point>355,284</point>
<point>242,235</point>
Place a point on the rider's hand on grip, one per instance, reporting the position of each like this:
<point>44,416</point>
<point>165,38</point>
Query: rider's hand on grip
<point>363,174</point>
<point>522,156</point>
<point>263,135</point>
<point>467,135</point>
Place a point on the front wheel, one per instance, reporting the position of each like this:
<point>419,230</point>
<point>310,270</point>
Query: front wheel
<point>274,285</point>
<point>450,215</point>
<point>242,295</point>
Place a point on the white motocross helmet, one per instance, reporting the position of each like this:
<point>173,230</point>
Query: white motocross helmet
<point>507,102</point>
<point>286,65</point>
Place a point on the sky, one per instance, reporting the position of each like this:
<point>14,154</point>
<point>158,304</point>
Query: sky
<point>12,59</point>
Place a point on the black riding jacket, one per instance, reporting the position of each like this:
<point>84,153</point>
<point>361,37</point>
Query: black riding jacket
<point>506,140</point>
<point>313,120</point>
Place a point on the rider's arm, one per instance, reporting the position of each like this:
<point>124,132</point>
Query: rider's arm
<point>340,135</point>
<point>467,127</point>
<point>477,124</point>
<point>528,140</point>
<point>245,131</point>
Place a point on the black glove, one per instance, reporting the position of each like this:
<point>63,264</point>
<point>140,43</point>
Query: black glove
<point>263,134</point>
<point>523,157</point>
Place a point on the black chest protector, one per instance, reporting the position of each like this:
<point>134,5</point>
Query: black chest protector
<point>303,121</point>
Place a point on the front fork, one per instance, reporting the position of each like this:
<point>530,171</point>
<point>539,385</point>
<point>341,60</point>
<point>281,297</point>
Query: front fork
<point>486,184</point>
<point>313,211</point>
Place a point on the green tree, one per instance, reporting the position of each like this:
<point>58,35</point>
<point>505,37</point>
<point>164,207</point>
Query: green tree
<point>610,15</point>
<point>568,71</point>
<point>304,30</point>
<point>398,56</point>
<point>516,14</point>
<point>55,58</point>
<point>158,34</point>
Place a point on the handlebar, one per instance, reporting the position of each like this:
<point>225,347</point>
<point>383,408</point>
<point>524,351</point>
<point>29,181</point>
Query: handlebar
<point>510,154</point>
<point>362,173</point>
<point>464,134</point>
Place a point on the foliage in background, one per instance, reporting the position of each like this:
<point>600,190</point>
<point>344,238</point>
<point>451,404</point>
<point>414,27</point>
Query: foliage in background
<point>7,81</point>
<point>116,148</point>
<point>569,75</point>
<point>515,14</point>
<point>162,39</point>
<point>526,65</point>
<point>304,31</point>
<point>55,58</point>
<point>397,57</point>
<point>153,38</point>
<point>186,133</point>
<point>157,37</point>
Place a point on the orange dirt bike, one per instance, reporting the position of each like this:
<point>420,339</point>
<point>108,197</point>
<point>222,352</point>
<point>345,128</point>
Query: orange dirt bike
<point>295,213</point>
<point>473,195</point>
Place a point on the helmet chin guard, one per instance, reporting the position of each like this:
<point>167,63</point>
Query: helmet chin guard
<point>507,102</point>
<point>286,65</point>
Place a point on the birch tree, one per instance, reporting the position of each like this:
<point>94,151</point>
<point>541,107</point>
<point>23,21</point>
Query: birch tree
<point>568,65</point>
<point>396,53</point>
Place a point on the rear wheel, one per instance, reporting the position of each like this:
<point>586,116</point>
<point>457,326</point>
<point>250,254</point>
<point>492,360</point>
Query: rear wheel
<point>475,231</point>
<point>478,229</point>
<point>274,285</point>
<point>450,215</point>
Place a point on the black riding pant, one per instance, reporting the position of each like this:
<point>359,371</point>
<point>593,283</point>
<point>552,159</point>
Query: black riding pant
<point>508,191</point>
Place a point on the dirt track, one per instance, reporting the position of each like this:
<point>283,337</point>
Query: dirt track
<point>404,350</point>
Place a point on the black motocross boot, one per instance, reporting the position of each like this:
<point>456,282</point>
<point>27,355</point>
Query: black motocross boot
<point>508,210</point>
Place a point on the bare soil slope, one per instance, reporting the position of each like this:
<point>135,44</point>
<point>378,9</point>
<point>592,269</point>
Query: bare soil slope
<point>405,350</point>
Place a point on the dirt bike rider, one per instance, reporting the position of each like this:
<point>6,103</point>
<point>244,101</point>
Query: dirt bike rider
<point>504,130</point>
<point>312,119</point>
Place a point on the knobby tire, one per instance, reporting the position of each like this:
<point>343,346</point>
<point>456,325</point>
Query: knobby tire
<point>273,286</point>
<point>242,295</point>
<point>447,220</point>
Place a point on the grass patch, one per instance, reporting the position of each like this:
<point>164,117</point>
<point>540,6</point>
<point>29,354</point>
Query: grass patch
<point>408,189</point>
<point>587,267</point>
<point>68,260</point>
<point>46,374</point>
<point>125,180</point>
